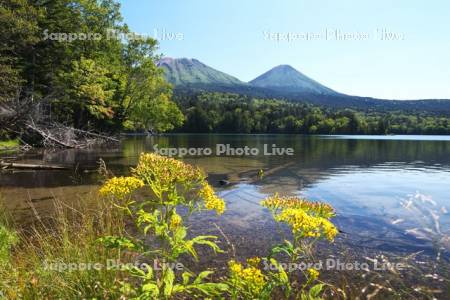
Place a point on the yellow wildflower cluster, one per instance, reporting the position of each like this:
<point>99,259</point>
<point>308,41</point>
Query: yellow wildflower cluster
<point>119,187</point>
<point>329,230</point>
<point>235,268</point>
<point>320,209</point>
<point>254,261</point>
<point>166,172</point>
<point>313,273</point>
<point>175,221</point>
<point>212,202</point>
<point>251,277</point>
<point>307,219</point>
<point>306,225</point>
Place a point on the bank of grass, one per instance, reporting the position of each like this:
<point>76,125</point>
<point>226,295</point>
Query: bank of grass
<point>36,260</point>
<point>7,144</point>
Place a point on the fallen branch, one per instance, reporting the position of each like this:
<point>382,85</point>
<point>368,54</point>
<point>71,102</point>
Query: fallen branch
<point>59,135</point>
<point>95,134</point>
<point>47,136</point>
<point>6,149</point>
<point>7,165</point>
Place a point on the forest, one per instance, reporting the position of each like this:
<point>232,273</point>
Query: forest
<point>61,65</point>
<point>231,113</point>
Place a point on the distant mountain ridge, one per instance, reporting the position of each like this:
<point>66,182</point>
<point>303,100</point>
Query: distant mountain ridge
<point>287,78</point>
<point>281,82</point>
<point>192,72</point>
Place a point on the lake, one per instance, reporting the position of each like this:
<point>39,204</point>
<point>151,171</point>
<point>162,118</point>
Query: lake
<point>391,193</point>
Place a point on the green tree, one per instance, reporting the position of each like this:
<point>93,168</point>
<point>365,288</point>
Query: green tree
<point>88,93</point>
<point>96,79</point>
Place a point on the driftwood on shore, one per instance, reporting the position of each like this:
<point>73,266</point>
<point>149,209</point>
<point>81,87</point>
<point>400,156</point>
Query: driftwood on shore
<point>31,121</point>
<point>58,135</point>
<point>10,165</point>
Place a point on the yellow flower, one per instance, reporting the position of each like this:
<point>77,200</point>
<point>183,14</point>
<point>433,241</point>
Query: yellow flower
<point>119,187</point>
<point>250,278</point>
<point>318,209</point>
<point>313,273</point>
<point>329,229</point>
<point>175,221</point>
<point>300,222</point>
<point>211,200</point>
<point>254,261</point>
<point>307,219</point>
<point>235,268</point>
<point>166,172</point>
<point>254,278</point>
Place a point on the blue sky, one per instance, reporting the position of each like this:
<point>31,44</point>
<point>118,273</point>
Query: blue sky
<point>238,37</point>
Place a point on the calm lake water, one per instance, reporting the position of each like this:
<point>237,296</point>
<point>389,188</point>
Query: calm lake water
<point>391,193</point>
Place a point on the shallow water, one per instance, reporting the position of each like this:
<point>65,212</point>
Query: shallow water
<point>391,193</point>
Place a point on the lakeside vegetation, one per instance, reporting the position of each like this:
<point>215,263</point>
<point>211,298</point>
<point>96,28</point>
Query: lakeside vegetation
<point>134,241</point>
<point>65,257</point>
<point>8,144</point>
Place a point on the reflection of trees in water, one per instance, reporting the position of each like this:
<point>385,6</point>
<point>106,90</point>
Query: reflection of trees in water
<point>83,157</point>
<point>315,157</point>
<point>313,152</point>
<point>335,152</point>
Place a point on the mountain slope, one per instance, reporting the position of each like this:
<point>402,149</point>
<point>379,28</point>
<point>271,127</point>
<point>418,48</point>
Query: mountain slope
<point>184,71</point>
<point>290,80</point>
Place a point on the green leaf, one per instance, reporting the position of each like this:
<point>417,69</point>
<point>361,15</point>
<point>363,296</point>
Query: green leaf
<point>281,272</point>
<point>147,228</point>
<point>202,276</point>
<point>151,288</point>
<point>186,277</point>
<point>180,233</point>
<point>168,280</point>
<point>178,288</point>
<point>287,248</point>
<point>203,240</point>
<point>149,272</point>
<point>314,292</point>
<point>211,288</point>
<point>118,243</point>
<point>189,245</point>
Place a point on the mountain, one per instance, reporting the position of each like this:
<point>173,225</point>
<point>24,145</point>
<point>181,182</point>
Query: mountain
<point>282,82</point>
<point>285,77</point>
<point>186,72</point>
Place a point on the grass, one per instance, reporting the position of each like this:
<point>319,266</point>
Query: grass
<point>9,144</point>
<point>38,262</point>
